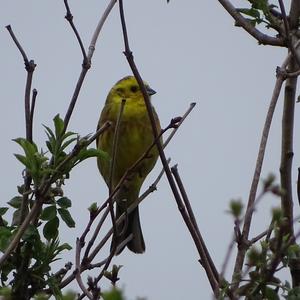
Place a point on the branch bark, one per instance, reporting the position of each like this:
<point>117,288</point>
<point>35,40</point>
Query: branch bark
<point>259,36</point>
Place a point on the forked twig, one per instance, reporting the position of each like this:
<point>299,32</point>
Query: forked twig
<point>87,258</point>
<point>205,257</point>
<point>86,61</point>
<point>241,21</point>
<point>166,142</point>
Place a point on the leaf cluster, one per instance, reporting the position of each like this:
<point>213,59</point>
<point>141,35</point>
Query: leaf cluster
<point>260,12</point>
<point>29,268</point>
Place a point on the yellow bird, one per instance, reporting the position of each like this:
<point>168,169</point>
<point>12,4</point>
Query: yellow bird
<point>134,138</point>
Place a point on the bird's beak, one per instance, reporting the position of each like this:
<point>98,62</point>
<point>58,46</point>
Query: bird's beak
<point>150,91</point>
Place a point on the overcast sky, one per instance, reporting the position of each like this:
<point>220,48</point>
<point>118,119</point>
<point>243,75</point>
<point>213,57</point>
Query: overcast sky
<point>188,51</point>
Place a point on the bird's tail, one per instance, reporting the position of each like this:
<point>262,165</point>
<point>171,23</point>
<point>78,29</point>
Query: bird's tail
<point>132,226</point>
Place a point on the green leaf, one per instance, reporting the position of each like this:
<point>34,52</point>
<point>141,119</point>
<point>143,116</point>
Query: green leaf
<point>270,294</point>
<point>50,229</point>
<point>15,202</point>
<point>5,292</point>
<point>252,12</point>
<point>68,134</point>
<point>49,132</point>
<point>59,125</point>
<point>5,238</point>
<point>64,202</point>
<point>93,208</point>
<point>49,146</point>
<point>236,208</point>
<point>261,5</point>
<point>64,246</point>
<point>92,152</point>
<point>54,287</point>
<point>16,217</point>
<point>294,294</point>
<point>31,233</point>
<point>23,160</point>
<point>29,148</point>
<point>66,216</point>
<point>3,210</point>
<point>67,143</point>
<point>48,213</point>
<point>113,294</point>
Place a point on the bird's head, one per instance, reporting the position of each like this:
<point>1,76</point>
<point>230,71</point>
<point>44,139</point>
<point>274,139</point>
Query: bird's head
<point>128,88</point>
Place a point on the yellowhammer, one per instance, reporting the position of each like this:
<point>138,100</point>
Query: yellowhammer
<point>134,138</point>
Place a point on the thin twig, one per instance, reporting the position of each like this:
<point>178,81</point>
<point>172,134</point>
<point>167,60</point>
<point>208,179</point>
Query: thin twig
<point>151,189</point>
<point>227,257</point>
<point>206,260</point>
<point>69,18</point>
<point>95,234</point>
<point>26,61</point>
<point>111,255</point>
<point>192,105</point>
<point>30,70</point>
<point>285,21</point>
<point>136,164</point>
<point>89,257</point>
<point>87,229</point>
<point>78,272</point>
<point>258,237</point>
<point>32,107</point>
<point>106,261</point>
<point>153,186</point>
<point>115,146</point>
<point>99,27</point>
<point>298,186</point>
<point>287,32</point>
<point>113,165</point>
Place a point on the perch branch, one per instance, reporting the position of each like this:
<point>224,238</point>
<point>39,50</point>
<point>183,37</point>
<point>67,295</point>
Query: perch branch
<point>129,56</point>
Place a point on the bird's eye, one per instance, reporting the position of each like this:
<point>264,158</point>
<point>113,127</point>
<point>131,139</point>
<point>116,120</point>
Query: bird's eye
<point>120,90</point>
<point>134,88</point>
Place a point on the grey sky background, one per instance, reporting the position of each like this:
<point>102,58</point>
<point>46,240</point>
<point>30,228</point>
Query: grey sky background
<point>188,51</point>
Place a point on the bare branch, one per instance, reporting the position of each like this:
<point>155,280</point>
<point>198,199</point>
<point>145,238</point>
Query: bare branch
<point>32,107</point>
<point>287,32</point>
<point>298,186</point>
<point>29,66</point>
<point>287,149</point>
